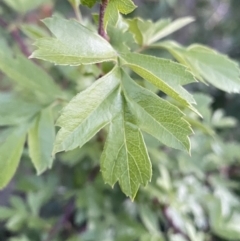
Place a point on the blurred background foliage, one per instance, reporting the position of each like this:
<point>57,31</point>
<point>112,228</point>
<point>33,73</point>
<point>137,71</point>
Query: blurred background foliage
<point>193,198</point>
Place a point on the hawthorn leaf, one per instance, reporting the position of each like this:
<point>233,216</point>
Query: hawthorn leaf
<point>29,76</point>
<point>24,6</point>
<point>40,140</point>
<point>120,39</point>
<point>33,31</point>
<point>72,44</point>
<point>207,64</point>
<point>156,116</point>
<point>89,3</point>
<point>125,158</point>
<point>169,29</point>
<point>147,32</point>
<point>15,109</point>
<point>88,112</point>
<point>11,147</point>
<point>115,7</point>
<point>167,75</point>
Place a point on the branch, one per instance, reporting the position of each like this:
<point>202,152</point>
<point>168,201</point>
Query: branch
<point>16,36</point>
<point>102,10</point>
<point>68,212</point>
<point>172,224</point>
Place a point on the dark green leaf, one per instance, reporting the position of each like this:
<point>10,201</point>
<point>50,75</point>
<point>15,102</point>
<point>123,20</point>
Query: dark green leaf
<point>125,158</point>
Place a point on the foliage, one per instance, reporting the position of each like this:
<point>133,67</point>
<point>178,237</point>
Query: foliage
<point>118,109</point>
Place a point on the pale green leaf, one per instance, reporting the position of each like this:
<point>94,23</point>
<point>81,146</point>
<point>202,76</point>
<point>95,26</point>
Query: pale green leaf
<point>207,64</point>
<point>33,31</point>
<point>6,213</point>
<point>147,32</point>
<point>149,219</point>
<point>15,109</point>
<point>24,6</point>
<point>224,226</point>
<point>168,76</point>
<point>115,7</point>
<point>156,116</point>
<point>88,112</point>
<point>125,158</point>
<point>169,29</point>
<point>40,140</point>
<point>29,76</point>
<point>72,44</point>
<point>10,153</point>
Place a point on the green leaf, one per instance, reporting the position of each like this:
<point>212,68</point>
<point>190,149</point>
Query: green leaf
<point>148,32</point>
<point>156,116</point>
<point>33,31</point>
<point>40,140</point>
<point>6,213</point>
<point>115,7</point>
<point>73,44</point>
<point>120,38</point>
<point>169,29</point>
<point>168,76</point>
<point>10,153</point>
<point>207,64</point>
<point>224,226</point>
<point>89,3</point>
<point>125,158</point>
<point>24,6</point>
<point>29,76</point>
<point>88,112</point>
<point>16,110</point>
<point>149,219</point>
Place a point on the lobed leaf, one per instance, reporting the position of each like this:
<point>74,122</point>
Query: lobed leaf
<point>169,29</point>
<point>156,116</point>
<point>117,100</point>
<point>88,112</point>
<point>40,141</point>
<point>125,158</point>
<point>115,7</point>
<point>148,32</point>
<point>207,64</point>
<point>72,44</point>
<point>168,76</point>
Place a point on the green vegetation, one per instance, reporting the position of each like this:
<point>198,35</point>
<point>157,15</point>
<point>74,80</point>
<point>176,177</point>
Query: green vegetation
<point>108,99</point>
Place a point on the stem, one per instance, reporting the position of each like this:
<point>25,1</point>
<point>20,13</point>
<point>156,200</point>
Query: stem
<point>76,10</point>
<point>68,212</point>
<point>16,36</point>
<point>101,30</point>
<point>78,13</point>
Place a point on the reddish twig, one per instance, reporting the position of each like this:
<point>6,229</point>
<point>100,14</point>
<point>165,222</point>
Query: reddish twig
<point>16,36</point>
<point>68,212</point>
<point>101,29</point>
